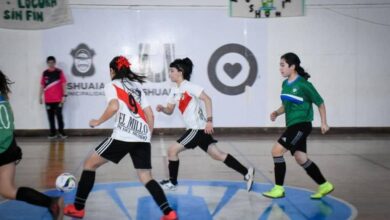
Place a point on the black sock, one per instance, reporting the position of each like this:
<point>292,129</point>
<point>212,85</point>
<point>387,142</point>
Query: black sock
<point>33,197</point>
<point>314,172</point>
<point>85,185</point>
<point>280,170</point>
<point>173,168</point>
<point>233,163</point>
<point>158,195</point>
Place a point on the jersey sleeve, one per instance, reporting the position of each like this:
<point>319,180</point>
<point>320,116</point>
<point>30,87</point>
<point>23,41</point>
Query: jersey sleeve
<point>195,90</point>
<point>43,80</point>
<point>62,77</point>
<point>109,92</point>
<point>313,95</point>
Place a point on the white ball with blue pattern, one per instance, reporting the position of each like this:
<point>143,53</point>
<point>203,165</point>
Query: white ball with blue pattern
<point>65,182</point>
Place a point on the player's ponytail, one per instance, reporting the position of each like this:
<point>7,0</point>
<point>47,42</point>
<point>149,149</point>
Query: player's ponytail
<point>183,65</point>
<point>4,85</point>
<point>121,67</point>
<point>293,59</point>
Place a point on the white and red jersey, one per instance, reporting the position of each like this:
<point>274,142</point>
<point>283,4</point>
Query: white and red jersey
<point>130,120</point>
<point>186,97</point>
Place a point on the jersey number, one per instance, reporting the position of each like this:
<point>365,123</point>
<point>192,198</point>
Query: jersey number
<point>4,118</point>
<point>133,104</point>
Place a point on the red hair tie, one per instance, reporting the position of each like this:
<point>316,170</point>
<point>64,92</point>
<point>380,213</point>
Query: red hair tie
<point>122,62</point>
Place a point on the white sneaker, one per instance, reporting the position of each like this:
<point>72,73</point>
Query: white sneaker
<point>168,185</point>
<point>62,136</point>
<point>249,178</point>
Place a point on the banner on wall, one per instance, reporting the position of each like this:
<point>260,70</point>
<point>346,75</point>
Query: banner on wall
<point>266,8</point>
<point>229,66</point>
<point>34,14</point>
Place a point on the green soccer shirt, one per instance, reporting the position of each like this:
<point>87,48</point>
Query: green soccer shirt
<point>6,124</point>
<point>297,98</point>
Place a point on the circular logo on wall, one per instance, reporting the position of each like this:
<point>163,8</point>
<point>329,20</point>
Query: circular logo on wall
<point>83,60</point>
<point>230,70</point>
<point>206,200</point>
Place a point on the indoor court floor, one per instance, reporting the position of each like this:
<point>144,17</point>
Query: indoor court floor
<point>358,165</point>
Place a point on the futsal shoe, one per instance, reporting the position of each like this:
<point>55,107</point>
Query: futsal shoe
<point>56,208</point>
<point>249,178</point>
<point>71,211</point>
<point>171,216</point>
<point>275,193</point>
<point>168,185</point>
<point>323,190</point>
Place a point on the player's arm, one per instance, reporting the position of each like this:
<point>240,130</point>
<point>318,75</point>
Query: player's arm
<point>149,118</point>
<point>166,109</point>
<point>209,109</point>
<point>277,112</point>
<point>41,95</point>
<point>111,110</point>
<point>324,123</point>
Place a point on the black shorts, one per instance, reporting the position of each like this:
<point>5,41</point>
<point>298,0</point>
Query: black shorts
<point>12,154</point>
<point>114,150</point>
<point>193,138</point>
<point>294,138</point>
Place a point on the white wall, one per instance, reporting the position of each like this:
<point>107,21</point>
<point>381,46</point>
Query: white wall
<point>346,57</point>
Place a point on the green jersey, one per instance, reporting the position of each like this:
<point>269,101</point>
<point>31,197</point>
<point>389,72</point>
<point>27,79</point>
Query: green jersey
<point>6,124</point>
<point>297,98</point>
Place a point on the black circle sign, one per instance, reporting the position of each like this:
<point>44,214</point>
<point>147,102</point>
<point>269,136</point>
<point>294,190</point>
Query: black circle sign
<point>216,56</point>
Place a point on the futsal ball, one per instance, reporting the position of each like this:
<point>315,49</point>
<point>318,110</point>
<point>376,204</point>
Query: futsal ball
<point>65,182</point>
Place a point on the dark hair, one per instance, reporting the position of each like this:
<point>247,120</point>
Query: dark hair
<point>4,84</point>
<point>121,67</point>
<point>183,65</point>
<point>50,58</point>
<point>293,59</point>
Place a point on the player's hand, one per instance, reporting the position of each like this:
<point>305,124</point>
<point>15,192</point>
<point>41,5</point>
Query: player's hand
<point>63,100</point>
<point>273,115</point>
<point>40,101</point>
<point>324,128</point>
<point>94,123</point>
<point>209,128</point>
<point>159,108</point>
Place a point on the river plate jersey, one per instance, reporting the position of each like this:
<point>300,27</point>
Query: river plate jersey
<point>130,120</point>
<point>6,124</point>
<point>187,98</point>
<point>297,98</point>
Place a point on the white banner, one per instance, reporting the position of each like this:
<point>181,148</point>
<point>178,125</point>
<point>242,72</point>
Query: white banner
<point>34,14</point>
<point>229,64</point>
<point>266,8</point>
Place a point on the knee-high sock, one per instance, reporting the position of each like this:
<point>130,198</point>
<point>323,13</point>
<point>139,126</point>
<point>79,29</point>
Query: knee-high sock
<point>173,168</point>
<point>233,163</point>
<point>280,170</point>
<point>314,172</point>
<point>84,187</point>
<point>32,196</point>
<point>159,196</point>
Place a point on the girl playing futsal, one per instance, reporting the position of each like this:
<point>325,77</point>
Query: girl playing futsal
<point>134,123</point>
<point>11,154</point>
<point>298,95</point>
<point>188,97</point>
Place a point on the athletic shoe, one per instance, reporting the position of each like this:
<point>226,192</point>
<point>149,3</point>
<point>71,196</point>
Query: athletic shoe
<point>56,208</point>
<point>51,136</point>
<point>323,190</point>
<point>171,216</point>
<point>276,192</point>
<point>62,136</point>
<point>71,211</point>
<point>249,178</point>
<point>168,185</point>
